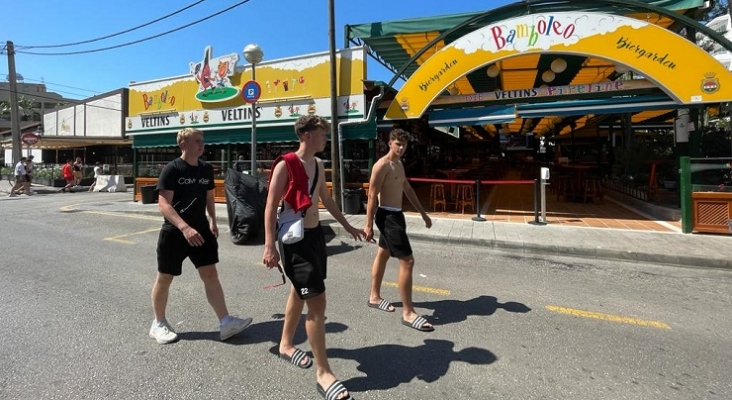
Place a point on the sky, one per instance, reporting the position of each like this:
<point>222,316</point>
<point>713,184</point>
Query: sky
<point>282,28</point>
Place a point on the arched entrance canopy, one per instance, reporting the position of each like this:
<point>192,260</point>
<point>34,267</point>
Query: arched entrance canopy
<point>685,72</point>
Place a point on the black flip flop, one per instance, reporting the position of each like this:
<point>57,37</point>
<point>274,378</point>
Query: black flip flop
<point>383,306</point>
<point>296,359</point>
<point>419,324</point>
<point>334,390</point>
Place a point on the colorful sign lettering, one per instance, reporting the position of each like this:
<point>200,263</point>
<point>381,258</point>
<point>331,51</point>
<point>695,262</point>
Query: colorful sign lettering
<point>282,81</point>
<point>349,107</point>
<point>657,53</point>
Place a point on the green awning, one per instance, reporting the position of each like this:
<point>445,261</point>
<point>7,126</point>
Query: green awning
<point>271,134</point>
<point>611,105</point>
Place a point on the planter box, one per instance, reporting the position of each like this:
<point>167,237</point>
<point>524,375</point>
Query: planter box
<point>712,212</point>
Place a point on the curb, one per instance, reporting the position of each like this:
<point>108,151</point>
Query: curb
<point>523,248</point>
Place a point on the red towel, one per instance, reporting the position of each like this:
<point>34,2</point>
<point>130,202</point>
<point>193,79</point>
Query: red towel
<point>297,194</point>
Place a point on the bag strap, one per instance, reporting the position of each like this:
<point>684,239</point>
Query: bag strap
<point>312,188</point>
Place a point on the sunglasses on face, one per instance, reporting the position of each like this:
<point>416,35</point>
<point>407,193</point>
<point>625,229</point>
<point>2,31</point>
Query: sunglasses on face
<point>279,268</point>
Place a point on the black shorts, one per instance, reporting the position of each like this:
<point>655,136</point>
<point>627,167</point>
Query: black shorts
<point>305,263</point>
<point>173,248</point>
<point>28,178</point>
<point>393,228</point>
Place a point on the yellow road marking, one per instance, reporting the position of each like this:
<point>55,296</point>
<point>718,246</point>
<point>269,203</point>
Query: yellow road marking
<point>441,292</point>
<point>608,317</point>
<point>111,213</point>
<point>120,240</point>
<point>125,215</point>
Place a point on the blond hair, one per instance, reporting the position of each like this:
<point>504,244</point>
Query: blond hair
<point>185,133</point>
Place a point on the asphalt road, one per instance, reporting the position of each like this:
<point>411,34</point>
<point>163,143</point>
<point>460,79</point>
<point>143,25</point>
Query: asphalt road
<point>75,296</point>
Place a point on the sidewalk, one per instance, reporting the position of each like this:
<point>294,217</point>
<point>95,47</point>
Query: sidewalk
<point>690,250</point>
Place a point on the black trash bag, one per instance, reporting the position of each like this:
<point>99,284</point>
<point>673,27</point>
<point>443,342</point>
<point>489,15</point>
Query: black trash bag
<point>246,197</point>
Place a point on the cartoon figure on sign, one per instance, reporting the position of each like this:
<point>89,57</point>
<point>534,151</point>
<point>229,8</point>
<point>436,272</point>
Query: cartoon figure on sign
<point>710,83</point>
<point>350,107</point>
<point>294,111</point>
<point>215,86</point>
<point>194,118</point>
<point>278,112</point>
<point>202,74</point>
<point>223,79</point>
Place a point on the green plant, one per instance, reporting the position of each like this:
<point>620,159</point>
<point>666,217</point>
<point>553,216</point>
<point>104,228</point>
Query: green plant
<point>47,173</point>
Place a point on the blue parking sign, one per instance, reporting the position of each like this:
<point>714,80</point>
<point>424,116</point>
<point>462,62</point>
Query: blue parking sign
<point>251,91</point>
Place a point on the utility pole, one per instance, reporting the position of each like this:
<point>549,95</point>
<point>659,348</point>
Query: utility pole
<point>334,136</point>
<point>14,117</point>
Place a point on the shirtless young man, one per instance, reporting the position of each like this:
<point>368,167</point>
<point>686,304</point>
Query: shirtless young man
<point>389,182</point>
<point>305,261</point>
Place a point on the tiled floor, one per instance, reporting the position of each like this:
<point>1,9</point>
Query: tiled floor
<point>515,203</point>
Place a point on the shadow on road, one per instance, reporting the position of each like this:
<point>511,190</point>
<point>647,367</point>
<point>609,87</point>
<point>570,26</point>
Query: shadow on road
<point>387,366</point>
<point>452,311</point>
<point>343,247</point>
<point>262,332</point>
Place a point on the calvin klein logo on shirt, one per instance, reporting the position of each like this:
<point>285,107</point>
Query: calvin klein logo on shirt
<point>192,181</point>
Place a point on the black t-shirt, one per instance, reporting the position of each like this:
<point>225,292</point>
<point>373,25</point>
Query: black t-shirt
<point>190,185</point>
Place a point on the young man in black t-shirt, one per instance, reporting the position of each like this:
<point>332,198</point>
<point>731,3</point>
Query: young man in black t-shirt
<point>186,188</point>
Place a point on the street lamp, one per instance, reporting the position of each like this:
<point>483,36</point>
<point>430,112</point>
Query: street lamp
<point>253,54</point>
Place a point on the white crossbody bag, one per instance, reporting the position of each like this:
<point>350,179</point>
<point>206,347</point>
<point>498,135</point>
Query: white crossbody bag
<point>290,224</point>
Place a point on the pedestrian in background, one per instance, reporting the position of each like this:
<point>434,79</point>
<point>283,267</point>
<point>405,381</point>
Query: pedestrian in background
<point>29,166</point>
<point>78,168</point>
<point>21,176</point>
<point>97,172</point>
<point>67,172</point>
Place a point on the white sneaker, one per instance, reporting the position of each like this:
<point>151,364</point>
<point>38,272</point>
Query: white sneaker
<point>163,333</point>
<point>234,327</point>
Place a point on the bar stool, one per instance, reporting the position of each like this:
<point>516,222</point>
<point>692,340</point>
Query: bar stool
<point>465,197</point>
<point>593,190</point>
<point>565,187</point>
<point>437,196</point>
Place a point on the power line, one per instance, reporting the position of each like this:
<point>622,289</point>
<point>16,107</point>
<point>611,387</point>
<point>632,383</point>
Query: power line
<point>62,91</point>
<point>136,41</point>
<point>56,84</point>
<point>74,102</point>
<point>114,34</point>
